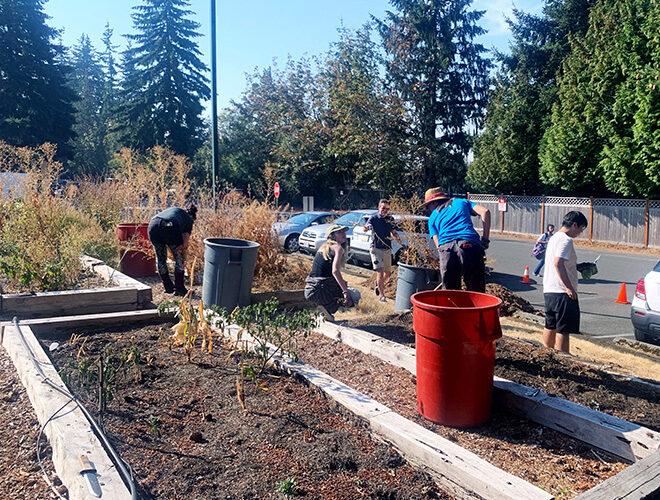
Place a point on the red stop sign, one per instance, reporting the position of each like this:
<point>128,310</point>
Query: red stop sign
<point>276,190</point>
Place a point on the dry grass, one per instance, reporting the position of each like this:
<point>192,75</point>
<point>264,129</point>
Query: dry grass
<point>619,360</point>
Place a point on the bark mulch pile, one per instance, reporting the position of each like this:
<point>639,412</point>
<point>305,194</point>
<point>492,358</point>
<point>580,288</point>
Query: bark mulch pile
<point>180,426</point>
<point>20,474</point>
<point>510,301</point>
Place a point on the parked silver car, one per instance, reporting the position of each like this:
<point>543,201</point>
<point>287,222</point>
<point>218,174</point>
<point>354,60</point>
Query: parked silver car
<point>289,230</point>
<point>313,237</point>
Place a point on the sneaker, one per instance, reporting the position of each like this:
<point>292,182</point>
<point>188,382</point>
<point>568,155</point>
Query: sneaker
<point>325,313</point>
<point>383,299</point>
<point>376,290</point>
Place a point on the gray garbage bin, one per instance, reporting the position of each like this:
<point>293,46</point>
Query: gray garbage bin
<point>410,280</point>
<point>228,272</point>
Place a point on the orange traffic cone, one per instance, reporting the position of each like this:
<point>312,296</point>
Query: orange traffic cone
<point>623,295</point>
<point>526,275</point>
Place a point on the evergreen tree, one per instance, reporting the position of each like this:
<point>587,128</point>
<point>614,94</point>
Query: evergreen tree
<point>606,128</point>
<point>110,104</point>
<point>442,76</point>
<point>88,81</point>
<point>164,79</point>
<point>506,152</point>
<point>35,102</point>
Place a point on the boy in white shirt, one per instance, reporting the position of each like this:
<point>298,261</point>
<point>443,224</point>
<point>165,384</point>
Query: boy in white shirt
<point>560,282</point>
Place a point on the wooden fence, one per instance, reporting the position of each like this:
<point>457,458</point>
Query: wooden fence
<point>630,222</point>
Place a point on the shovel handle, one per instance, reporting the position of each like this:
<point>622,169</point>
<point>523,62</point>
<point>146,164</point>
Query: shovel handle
<point>85,464</point>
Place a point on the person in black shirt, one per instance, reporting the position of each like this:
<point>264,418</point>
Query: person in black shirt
<point>171,228</point>
<point>382,225</point>
<point>325,286</point>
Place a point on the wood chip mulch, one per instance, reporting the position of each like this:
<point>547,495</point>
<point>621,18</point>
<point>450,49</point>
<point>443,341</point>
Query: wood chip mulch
<point>20,474</point>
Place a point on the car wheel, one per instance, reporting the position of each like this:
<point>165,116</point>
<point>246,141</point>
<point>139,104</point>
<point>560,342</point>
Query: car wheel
<point>640,335</point>
<point>291,243</point>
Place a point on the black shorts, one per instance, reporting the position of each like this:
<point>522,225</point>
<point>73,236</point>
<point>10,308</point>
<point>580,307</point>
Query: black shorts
<point>561,313</point>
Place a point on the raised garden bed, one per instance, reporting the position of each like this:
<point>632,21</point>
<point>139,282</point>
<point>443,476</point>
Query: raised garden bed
<point>183,431</point>
<point>118,293</point>
<point>521,443</point>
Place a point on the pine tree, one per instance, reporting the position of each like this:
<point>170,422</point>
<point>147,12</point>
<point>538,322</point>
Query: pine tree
<point>110,104</point>
<point>88,81</point>
<point>35,102</point>
<point>442,75</point>
<point>164,79</point>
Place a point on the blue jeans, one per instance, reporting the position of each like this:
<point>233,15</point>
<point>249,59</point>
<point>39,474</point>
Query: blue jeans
<point>539,265</point>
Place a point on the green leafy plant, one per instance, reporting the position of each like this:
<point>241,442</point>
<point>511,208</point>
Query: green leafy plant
<point>154,423</point>
<point>287,487</point>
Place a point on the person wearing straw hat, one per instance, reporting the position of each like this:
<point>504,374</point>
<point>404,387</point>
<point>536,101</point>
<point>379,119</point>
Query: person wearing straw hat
<point>461,250</point>
<point>325,286</point>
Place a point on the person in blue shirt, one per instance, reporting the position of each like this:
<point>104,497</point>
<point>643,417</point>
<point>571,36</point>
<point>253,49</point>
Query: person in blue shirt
<point>461,250</point>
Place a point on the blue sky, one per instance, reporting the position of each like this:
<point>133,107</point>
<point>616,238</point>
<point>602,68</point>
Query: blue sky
<point>251,33</point>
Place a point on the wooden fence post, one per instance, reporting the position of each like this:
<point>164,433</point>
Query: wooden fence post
<point>591,217</point>
<point>542,214</point>
<point>646,225</point>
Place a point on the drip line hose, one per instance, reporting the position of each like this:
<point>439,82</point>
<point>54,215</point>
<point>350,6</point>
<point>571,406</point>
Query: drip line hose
<point>124,472</point>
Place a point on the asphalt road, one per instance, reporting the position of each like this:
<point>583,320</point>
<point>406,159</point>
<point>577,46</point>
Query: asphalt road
<point>601,316</point>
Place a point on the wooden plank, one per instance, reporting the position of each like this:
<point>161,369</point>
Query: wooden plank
<point>629,441</point>
<point>144,294</point>
<point>67,301</point>
<point>94,321</point>
<point>284,297</point>
<point>459,470</point>
<point>70,434</point>
<point>639,481</point>
<point>620,437</point>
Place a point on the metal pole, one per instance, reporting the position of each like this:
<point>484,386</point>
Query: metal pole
<point>214,104</point>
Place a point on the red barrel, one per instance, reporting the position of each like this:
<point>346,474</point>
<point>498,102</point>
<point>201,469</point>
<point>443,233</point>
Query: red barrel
<point>136,254</point>
<point>454,335</point>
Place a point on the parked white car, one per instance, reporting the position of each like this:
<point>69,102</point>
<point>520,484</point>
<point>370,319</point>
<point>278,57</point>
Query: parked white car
<point>645,308</point>
<point>361,239</point>
<point>313,237</point>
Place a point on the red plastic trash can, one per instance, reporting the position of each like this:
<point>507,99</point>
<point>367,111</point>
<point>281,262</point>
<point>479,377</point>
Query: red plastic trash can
<point>454,335</point>
<point>136,254</point>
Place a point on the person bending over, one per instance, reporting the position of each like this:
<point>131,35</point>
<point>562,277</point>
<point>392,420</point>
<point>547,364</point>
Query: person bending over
<point>325,286</point>
<point>171,229</point>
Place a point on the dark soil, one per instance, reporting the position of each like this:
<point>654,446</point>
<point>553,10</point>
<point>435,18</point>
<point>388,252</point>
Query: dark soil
<point>182,429</point>
<point>20,474</point>
<point>86,279</point>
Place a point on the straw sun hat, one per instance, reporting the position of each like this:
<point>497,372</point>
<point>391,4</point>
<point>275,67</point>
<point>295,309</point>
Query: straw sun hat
<point>334,228</point>
<point>434,194</point>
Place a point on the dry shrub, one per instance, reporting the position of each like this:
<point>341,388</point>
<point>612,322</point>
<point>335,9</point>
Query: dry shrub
<point>241,218</point>
<point>417,252</point>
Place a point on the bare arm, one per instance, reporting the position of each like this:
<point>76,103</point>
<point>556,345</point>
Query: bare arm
<point>435,240</point>
<point>336,268</point>
<point>184,247</point>
<point>560,266</point>
<point>484,213</point>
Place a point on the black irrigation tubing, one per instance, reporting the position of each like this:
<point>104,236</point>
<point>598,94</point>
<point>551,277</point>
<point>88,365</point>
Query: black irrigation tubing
<point>126,474</point>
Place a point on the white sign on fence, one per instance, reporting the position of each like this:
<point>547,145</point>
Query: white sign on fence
<point>501,204</point>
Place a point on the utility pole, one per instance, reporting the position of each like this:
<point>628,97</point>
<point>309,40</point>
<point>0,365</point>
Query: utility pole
<point>214,105</point>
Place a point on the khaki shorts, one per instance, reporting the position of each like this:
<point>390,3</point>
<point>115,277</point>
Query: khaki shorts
<point>381,258</point>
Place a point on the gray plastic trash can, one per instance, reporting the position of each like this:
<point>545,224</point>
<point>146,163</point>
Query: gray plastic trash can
<point>228,272</point>
<point>410,280</point>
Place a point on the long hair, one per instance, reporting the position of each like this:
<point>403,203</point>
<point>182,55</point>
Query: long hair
<point>325,248</point>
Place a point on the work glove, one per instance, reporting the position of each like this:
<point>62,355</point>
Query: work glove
<point>348,299</point>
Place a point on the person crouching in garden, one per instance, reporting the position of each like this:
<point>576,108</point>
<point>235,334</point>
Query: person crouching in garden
<point>171,229</point>
<point>325,286</point>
